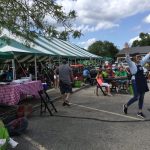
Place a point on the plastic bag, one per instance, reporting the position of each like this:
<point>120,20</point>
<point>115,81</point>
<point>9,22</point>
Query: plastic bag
<point>4,136</point>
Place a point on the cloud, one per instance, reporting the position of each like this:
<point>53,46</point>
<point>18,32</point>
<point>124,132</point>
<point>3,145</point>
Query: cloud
<point>133,39</point>
<point>102,14</point>
<point>89,28</point>
<point>87,43</point>
<point>147,19</point>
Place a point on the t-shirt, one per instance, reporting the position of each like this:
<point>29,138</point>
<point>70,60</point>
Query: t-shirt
<point>122,74</point>
<point>86,72</point>
<point>104,74</point>
<point>65,73</point>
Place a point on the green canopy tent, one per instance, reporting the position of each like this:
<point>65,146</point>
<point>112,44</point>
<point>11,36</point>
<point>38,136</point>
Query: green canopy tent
<point>42,47</point>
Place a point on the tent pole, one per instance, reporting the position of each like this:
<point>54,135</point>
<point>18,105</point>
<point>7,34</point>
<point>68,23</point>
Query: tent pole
<point>59,60</point>
<point>35,64</point>
<point>75,61</point>
<point>14,70</point>
<point>49,59</point>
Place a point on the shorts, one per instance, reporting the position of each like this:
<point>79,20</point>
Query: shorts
<point>65,88</point>
<point>104,84</point>
<point>123,81</point>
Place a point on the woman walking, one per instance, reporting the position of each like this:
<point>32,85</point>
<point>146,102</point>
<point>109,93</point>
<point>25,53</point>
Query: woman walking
<point>139,82</point>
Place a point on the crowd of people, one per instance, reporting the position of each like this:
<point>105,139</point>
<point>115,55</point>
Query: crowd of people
<point>105,75</point>
<point>110,77</point>
<point>117,77</point>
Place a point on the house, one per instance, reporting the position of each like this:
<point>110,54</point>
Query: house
<point>143,50</point>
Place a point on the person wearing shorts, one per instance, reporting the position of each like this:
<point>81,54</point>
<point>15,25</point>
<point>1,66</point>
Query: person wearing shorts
<point>100,82</point>
<point>65,82</point>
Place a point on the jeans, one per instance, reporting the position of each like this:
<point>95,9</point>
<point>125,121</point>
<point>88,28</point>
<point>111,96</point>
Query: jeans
<point>137,96</point>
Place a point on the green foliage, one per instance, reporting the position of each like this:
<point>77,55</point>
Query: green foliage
<point>104,49</point>
<point>145,40</point>
<point>25,18</point>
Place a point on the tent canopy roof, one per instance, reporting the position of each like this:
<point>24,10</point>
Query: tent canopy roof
<point>43,46</point>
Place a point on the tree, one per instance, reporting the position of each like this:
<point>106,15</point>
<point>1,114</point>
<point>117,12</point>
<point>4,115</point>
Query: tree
<point>25,18</point>
<point>106,49</point>
<point>144,40</point>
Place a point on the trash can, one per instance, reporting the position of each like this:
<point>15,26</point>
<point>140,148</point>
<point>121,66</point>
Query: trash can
<point>131,89</point>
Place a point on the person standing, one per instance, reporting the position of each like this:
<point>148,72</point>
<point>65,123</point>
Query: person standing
<point>65,82</point>
<point>139,82</point>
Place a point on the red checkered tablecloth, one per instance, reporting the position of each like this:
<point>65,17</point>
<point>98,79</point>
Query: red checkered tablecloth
<point>11,94</point>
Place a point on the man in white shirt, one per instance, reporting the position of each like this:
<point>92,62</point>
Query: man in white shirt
<point>139,82</point>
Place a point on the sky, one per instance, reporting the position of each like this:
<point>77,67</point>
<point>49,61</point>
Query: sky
<point>117,21</point>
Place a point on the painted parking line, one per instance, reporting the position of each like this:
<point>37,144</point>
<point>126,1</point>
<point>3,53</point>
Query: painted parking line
<point>34,143</point>
<point>107,112</point>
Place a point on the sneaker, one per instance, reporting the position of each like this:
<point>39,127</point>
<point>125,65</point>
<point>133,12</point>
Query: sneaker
<point>141,115</point>
<point>109,94</point>
<point>125,109</point>
<point>66,104</point>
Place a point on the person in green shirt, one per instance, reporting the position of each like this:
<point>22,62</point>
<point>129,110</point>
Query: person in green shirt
<point>122,73</point>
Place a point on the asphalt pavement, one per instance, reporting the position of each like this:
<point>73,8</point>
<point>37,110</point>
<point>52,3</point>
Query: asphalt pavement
<point>90,123</point>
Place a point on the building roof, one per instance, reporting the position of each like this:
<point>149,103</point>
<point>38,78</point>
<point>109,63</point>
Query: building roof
<point>132,50</point>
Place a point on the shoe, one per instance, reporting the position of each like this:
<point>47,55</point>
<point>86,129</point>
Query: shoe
<point>141,115</point>
<point>109,94</point>
<point>66,104</point>
<point>125,109</point>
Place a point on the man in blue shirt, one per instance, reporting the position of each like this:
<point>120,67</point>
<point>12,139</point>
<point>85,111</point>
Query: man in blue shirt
<point>86,75</point>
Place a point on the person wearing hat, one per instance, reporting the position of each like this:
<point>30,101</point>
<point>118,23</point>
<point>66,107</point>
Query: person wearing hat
<point>139,82</point>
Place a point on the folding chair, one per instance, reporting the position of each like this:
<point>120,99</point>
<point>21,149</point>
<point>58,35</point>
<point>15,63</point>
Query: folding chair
<point>101,88</point>
<point>45,99</point>
<point>99,81</point>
